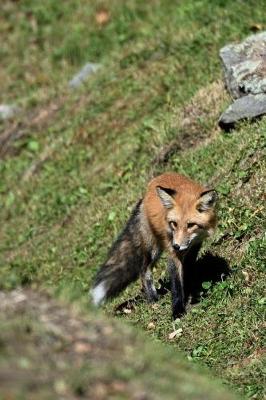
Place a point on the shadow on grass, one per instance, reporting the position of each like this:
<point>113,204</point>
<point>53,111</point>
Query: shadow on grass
<point>208,268</point>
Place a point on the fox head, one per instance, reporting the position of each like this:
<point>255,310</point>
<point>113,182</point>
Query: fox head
<point>189,217</point>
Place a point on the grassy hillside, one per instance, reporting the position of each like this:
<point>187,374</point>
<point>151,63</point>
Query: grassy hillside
<point>73,163</point>
<point>51,351</point>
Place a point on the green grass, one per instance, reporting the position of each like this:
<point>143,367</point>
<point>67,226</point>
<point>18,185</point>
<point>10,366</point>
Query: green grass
<point>69,181</point>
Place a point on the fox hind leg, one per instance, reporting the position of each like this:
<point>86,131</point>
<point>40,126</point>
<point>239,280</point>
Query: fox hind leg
<point>147,279</point>
<point>148,285</point>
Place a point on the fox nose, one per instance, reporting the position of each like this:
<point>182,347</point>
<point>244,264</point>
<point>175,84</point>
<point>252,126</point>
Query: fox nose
<point>176,247</point>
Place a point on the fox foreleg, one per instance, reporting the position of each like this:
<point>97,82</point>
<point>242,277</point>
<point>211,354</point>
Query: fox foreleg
<point>175,269</point>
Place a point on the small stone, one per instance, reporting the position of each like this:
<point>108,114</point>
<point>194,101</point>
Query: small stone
<point>247,107</point>
<point>60,387</point>
<point>8,111</point>
<point>127,310</point>
<point>83,74</point>
<point>81,347</point>
<point>24,363</point>
<point>151,325</point>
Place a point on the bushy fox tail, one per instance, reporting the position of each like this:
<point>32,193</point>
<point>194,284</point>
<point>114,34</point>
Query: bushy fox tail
<point>124,262</point>
<point>112,279</point>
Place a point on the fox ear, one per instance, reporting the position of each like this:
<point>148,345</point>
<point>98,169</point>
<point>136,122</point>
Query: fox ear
<point>166,196</point>
<point>207,199</point>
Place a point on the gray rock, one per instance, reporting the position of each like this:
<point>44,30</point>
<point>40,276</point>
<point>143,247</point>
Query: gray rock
<point>83,74</point>
<point>247,107</point>
<point>245,78</point>
<point>245,66</point>
<point>8,111</point>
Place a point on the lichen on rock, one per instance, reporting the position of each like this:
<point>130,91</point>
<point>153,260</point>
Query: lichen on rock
<point>244,67</point>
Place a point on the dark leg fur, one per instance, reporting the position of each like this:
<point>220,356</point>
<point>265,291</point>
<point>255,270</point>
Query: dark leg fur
<point>175,269</point>
<point>189,270</point>
<point>148,286</point>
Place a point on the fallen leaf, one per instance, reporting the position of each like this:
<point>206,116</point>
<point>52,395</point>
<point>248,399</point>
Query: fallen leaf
<point>102,17</point>
<point>176,333</point>
<point>246,276</point>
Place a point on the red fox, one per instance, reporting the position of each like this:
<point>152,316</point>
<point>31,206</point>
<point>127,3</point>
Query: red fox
<point>175,215</point>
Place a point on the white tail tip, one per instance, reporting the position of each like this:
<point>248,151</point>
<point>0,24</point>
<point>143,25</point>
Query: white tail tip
<point>98,294</point>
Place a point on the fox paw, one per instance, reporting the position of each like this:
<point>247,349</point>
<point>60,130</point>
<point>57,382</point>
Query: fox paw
<point>178,309</point>
<point>151,295</point>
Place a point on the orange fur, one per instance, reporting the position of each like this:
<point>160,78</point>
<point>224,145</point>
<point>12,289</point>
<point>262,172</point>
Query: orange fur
<point>185,201</point>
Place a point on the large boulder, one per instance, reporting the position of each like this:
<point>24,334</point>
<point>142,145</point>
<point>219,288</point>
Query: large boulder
<point>244,67</point>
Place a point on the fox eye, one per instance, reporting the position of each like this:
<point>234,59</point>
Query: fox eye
<point>173,224</point>
<point>192,225</point>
